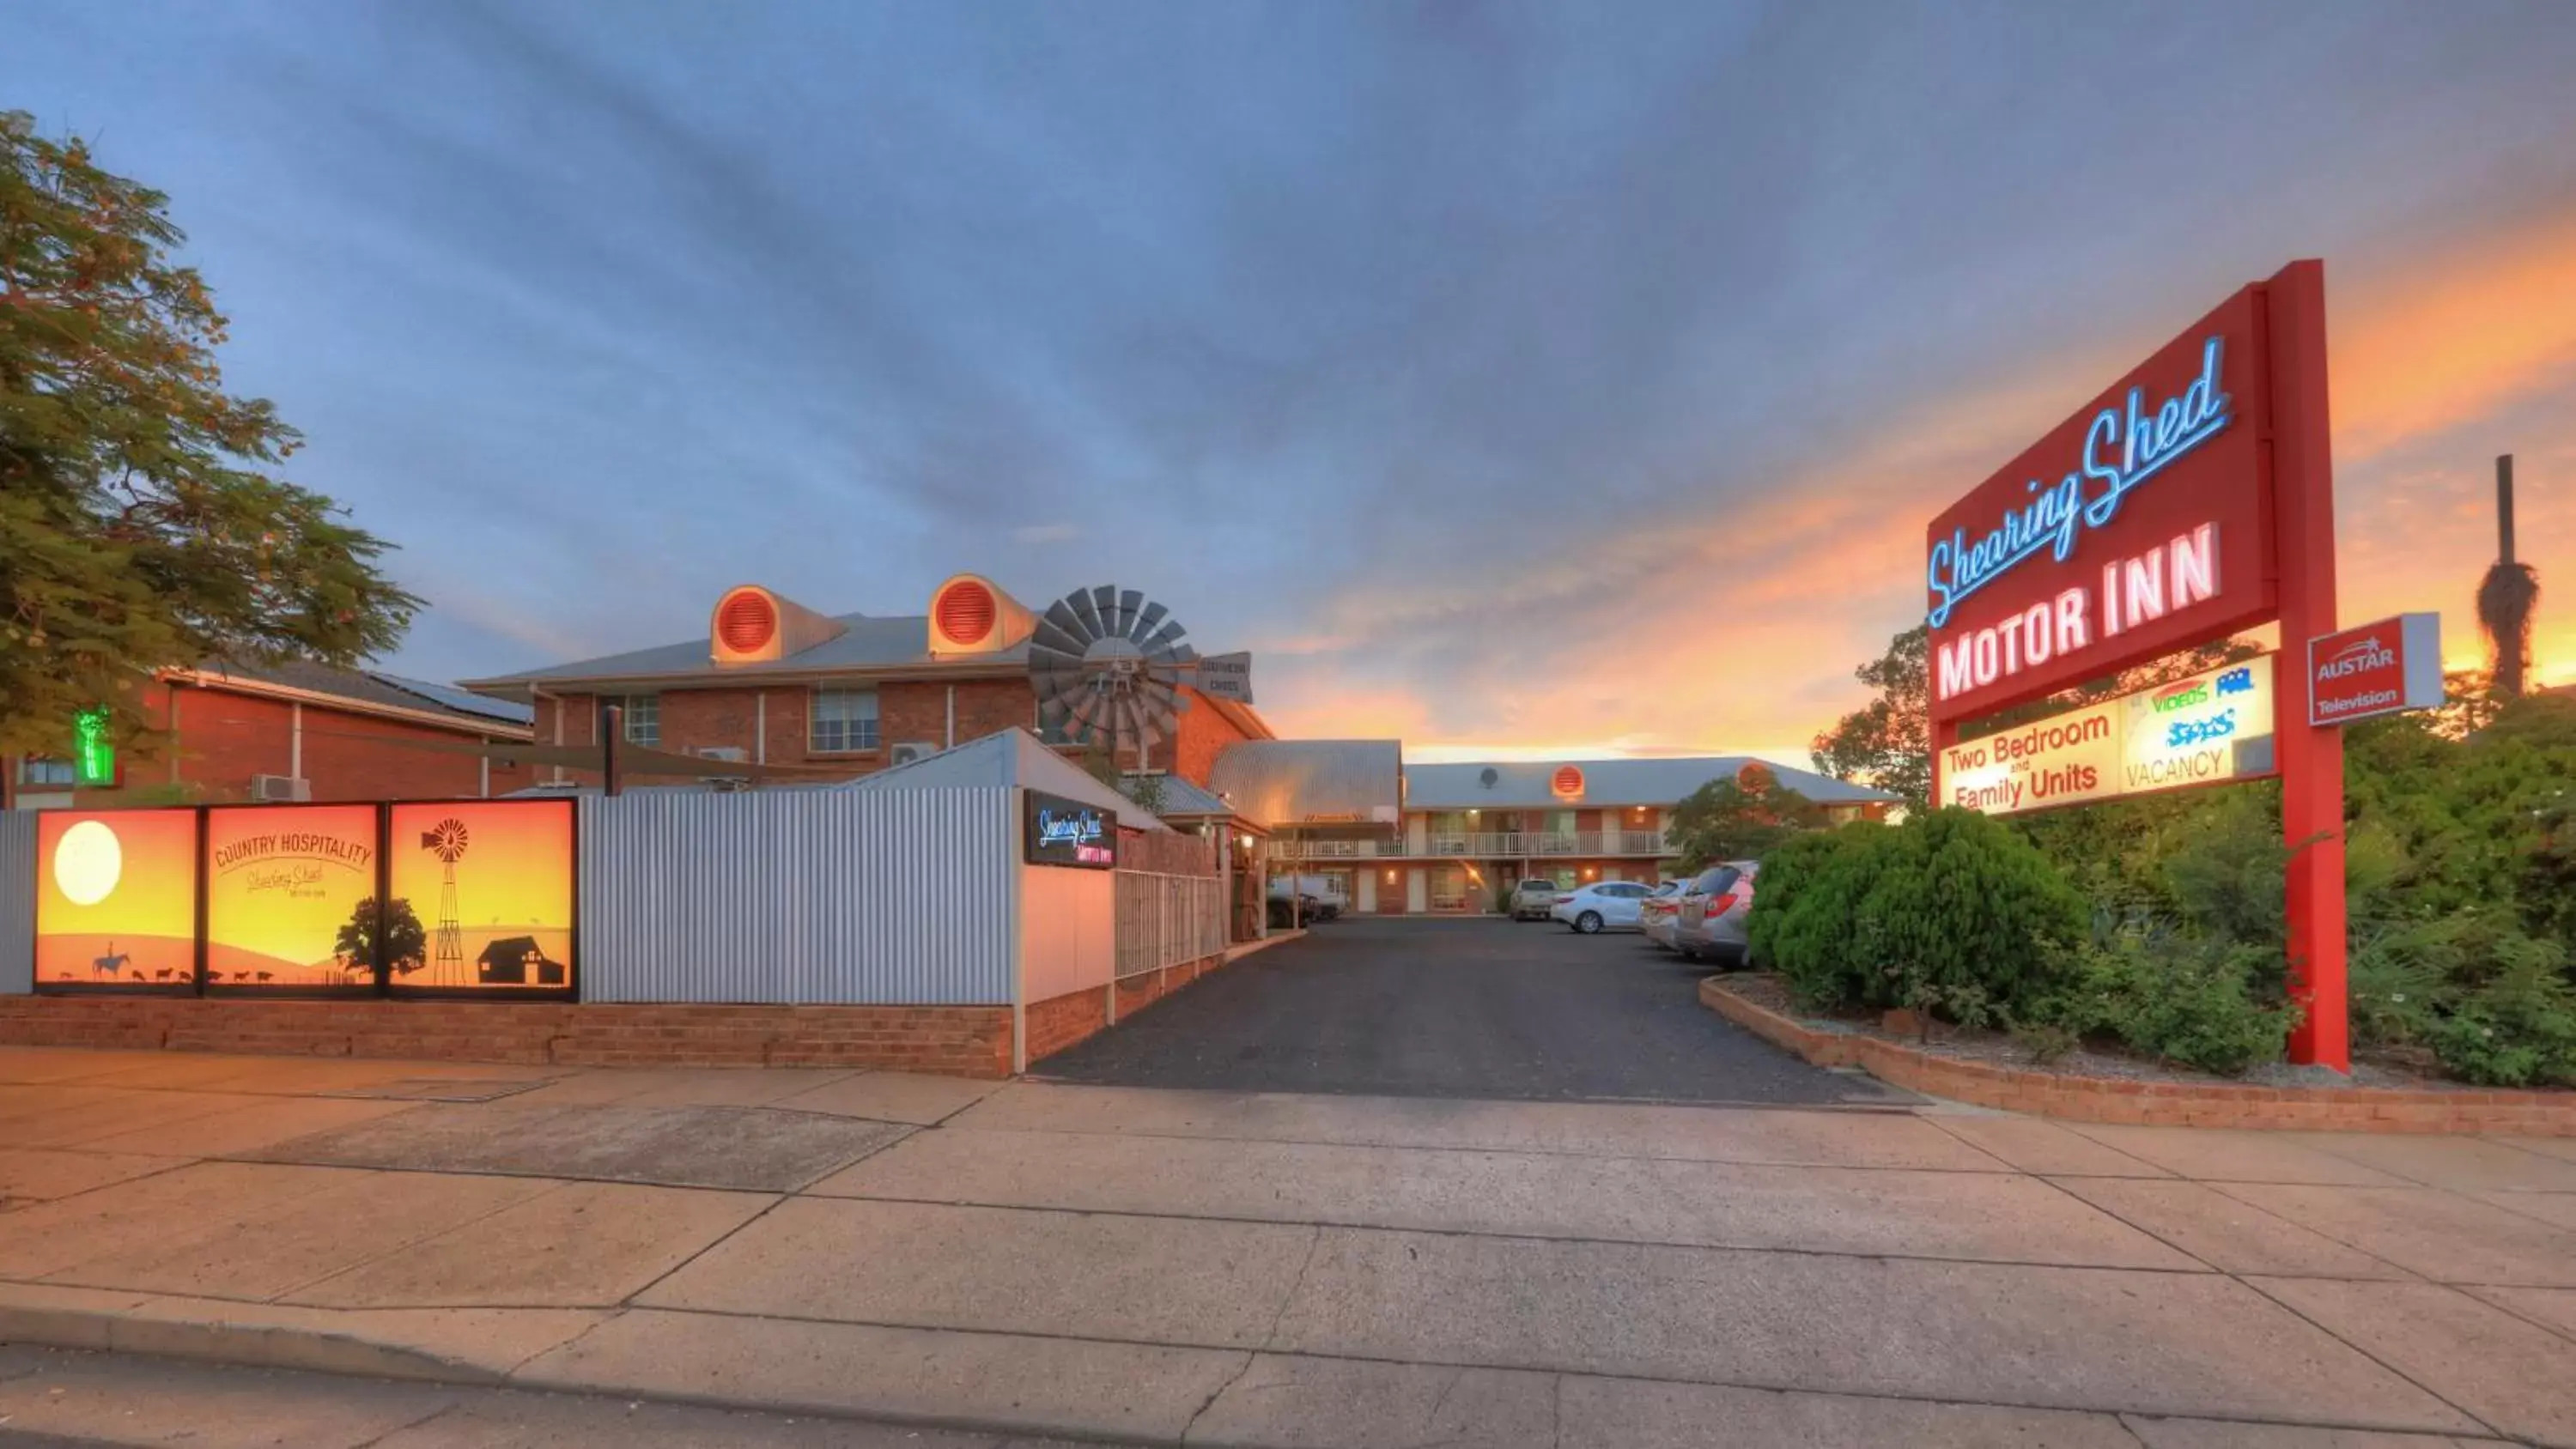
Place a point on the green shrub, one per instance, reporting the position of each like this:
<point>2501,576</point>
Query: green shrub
<point>1788,868</point>
<point>1818,939</point>
<point>2519,1028</point>
<point>2185,999</point>
<point>1950,912</point>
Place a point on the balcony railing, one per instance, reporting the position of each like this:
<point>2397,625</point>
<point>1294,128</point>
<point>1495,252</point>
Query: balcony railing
<point>1484,845</point>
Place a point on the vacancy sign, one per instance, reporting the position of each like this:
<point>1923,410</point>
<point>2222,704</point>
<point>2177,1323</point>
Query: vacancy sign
<point>2206,730</point>
<point>2374,669</point>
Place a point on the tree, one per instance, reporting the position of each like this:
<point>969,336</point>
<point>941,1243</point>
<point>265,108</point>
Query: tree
<point>138,530</point>
<point>406,943</point>
<point>1739,818</point>
<point>1887,743</point>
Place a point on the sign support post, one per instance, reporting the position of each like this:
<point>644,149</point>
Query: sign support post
<point>2311,757</point>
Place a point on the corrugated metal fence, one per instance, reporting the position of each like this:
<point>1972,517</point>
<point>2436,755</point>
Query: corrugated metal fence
<point>17,900</point>
<point>845,897</point>
<point>1171,905</point>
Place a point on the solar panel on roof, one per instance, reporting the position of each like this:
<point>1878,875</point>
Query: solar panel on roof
<point>463,701</point>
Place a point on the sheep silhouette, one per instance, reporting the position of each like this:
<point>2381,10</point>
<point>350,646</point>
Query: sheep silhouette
<point>163,974</point>
<point>263,976</point>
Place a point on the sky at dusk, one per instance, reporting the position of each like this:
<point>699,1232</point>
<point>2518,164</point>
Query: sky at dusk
<point>1569,378</point>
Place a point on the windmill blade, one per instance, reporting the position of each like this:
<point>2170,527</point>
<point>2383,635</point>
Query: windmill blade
<point>1130,601</point>
<point>1104,601</point>
<point>1068,623</point>
<point>1145,623</point>
<point>1164,638</point>
<point>1088,612</point>
<point>1049,634</point>
<point>1048,659</point>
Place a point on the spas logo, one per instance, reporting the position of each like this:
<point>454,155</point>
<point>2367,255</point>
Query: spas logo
<point>1069,828</point>
<point>2356,657</point>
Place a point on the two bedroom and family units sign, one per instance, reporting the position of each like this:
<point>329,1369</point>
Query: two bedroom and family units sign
<point>468,897</point>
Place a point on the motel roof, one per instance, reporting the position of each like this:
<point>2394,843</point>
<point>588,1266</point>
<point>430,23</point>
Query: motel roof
<point>1530,784</point>
<point>1312,782</point>
<point>867,644</point>
<point>1007,757</point>
<point>384,696</point>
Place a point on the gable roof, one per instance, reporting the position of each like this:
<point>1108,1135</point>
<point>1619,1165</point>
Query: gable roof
<point>866,644</point>
<point>1008,757</point>
<point>1528,784</point>
<point>1299,782</point>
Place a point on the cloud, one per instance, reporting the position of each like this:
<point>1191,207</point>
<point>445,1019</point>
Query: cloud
<point>1503,377</point>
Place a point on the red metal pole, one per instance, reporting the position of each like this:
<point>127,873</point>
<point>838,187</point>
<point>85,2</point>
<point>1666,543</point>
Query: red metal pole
<point>2311,759</point>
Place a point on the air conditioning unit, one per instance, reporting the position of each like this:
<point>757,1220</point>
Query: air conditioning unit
<point>730,754</point>
<point>911,750</point>
<point>280,787</point>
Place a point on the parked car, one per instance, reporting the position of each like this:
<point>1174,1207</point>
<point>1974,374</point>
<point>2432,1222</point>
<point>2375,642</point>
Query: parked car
<point>1710,921</point>
<point>1533,898</point>
<point>1658,911</point>
<point>1609,905</point>
<point>1300,910</point>
<point>1318,897</point>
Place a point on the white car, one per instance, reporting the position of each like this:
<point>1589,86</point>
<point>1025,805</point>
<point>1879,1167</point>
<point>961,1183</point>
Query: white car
<point>1609,905</point>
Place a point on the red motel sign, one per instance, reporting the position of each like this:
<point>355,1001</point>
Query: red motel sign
<point>2384,667</point>
<point>2192,498</point>
<point>2140,525</point>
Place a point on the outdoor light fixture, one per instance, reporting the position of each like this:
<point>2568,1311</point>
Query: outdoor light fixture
<point>1247,842</point>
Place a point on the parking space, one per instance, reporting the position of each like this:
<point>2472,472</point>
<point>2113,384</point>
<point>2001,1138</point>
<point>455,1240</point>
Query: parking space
<point>1455,1008</point>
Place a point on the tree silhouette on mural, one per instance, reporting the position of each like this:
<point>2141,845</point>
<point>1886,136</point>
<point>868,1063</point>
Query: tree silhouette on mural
<point>406,942</point>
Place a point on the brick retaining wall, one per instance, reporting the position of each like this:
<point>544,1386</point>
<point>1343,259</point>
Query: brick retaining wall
<point>1077,1016</point>
<point>2178,1104</point>
<point>972,1041</point>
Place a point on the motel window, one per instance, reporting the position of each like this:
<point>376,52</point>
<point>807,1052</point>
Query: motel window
<point>643,716</point>
<point>36,772</point>
<point>842,720</point>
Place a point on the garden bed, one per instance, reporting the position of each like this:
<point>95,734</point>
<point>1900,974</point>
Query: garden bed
<point>1991,1069</point>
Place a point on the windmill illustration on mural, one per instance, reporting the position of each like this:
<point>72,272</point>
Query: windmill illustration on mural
<point>447,840</point>
<point>1108,665</point>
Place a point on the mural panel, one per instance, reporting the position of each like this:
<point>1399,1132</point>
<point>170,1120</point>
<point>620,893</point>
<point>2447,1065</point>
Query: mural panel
<point>482,896</point>
<point>116,899</point>
<point>291,897</point>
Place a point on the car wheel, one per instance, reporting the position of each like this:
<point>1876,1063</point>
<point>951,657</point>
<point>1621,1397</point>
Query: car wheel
<point>1588,923</point>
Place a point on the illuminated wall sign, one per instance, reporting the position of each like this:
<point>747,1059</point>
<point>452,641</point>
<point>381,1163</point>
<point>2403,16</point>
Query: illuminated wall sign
<point>2139,525</point>
<point>2374,669</point>
<point>116,899</point>
<point>481,896</point>
<point>1068,832</point>
<point>1566,783</point>
<point>93,750</point>
<point>2204,730</point>
<point>290,897</point>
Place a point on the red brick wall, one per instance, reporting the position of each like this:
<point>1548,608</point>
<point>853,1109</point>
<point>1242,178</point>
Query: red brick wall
<point>1203,735</point>
<point>222,739</point>
<point>907,711</point>
<point>970,1041</point>
<point>1062,1021</point>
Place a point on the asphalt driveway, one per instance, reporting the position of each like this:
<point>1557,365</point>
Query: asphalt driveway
<point>1457,1008</point>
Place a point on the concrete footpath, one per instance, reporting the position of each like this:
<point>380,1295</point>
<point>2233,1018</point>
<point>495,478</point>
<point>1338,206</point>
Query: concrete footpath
<point>1159,1267</point>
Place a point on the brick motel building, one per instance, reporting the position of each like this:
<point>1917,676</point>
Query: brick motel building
<point>830,848</point>
<point>295,732</point>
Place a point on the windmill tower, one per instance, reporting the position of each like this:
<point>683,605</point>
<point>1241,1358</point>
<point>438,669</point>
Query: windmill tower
<point>447,841</point>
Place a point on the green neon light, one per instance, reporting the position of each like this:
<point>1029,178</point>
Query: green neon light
<point>93,753</point>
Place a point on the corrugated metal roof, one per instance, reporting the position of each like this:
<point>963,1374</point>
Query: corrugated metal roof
<point>866,642</point>
<point>1301,782</point>
<point>1527,784</point>
<point>1009,757</point>
<point>1185,797</point>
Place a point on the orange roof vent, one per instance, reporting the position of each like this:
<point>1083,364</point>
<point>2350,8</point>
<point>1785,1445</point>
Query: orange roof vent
<point>752,625</point>
<point>968,615</point>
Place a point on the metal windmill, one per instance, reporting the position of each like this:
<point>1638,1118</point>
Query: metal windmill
<point>447,840</point>
<point>1108,664</point>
